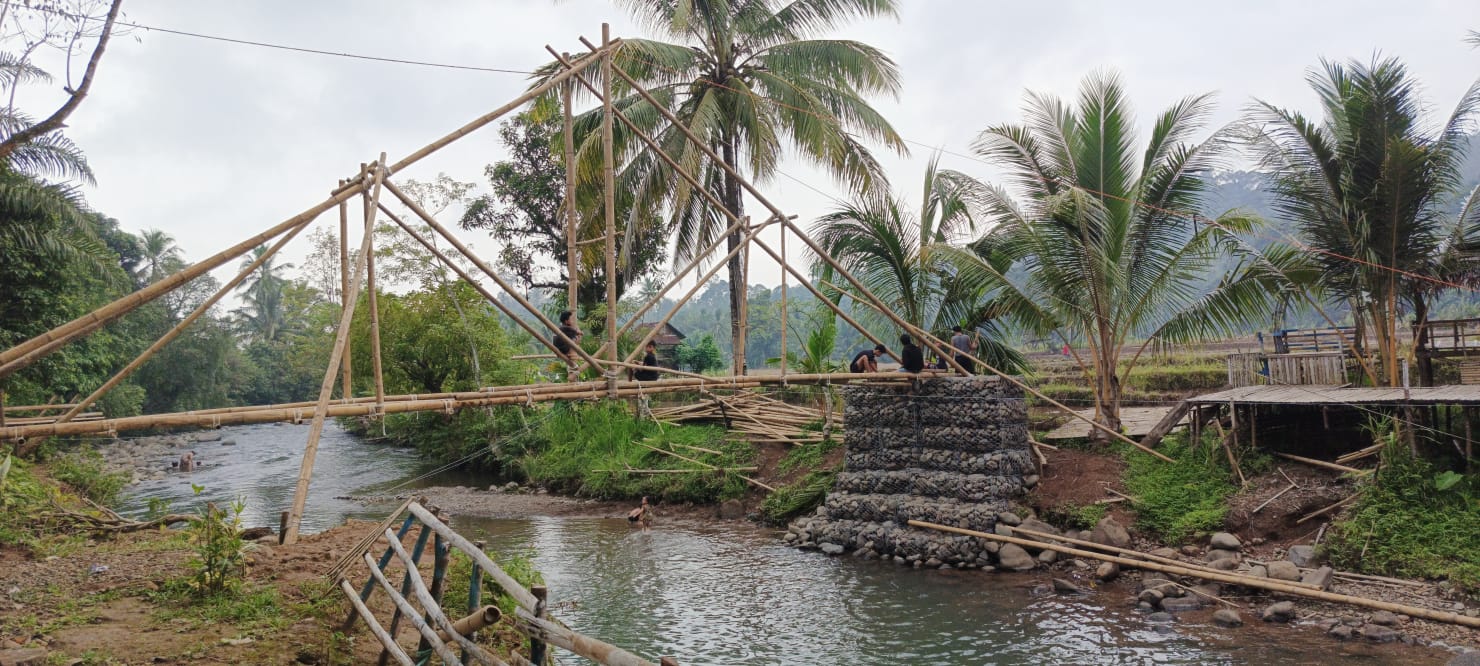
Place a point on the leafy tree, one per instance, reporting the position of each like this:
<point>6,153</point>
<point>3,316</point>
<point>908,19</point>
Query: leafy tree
<point>700,357</point>
<point>1095,246</point>
<point>160,255</point>
<point>425,346</point>
<point>898,254</point>
<point>753,79</point>
<point>525,214</point>
<point>1364,185</point>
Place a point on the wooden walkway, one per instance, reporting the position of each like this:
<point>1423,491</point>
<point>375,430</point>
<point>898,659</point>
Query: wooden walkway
<point>1332,395</point>
<point>1135,421</point>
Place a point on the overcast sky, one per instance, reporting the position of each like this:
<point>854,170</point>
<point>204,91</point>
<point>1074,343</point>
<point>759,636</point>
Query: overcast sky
<point>213,142</point>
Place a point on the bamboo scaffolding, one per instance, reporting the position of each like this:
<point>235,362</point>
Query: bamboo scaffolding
<point>347,390</point>
<point>609,178</point>
<point>372,202</point>
<point>180,327</point>
<point>1219,576</point>
<point>326,387</point>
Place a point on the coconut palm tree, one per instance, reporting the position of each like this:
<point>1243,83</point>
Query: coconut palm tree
<point>898,255</point>
<point>1093,242</point>
<point>161,255</point>
<point>262,315</point>
<point>1364,187</point>
<point>753,79</point>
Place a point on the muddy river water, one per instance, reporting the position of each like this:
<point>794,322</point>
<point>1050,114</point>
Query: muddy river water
<point>729,593</point>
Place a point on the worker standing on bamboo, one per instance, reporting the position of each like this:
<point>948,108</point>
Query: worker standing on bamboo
<point>569,336</point>
<point>963,345</point>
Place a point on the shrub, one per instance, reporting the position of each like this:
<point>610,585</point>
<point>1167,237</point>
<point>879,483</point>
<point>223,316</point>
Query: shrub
<point>219,560</point>
<point>83,470</point>
<point>1076,516</point>
<point>1412,520</point>
<point>1180,499</point>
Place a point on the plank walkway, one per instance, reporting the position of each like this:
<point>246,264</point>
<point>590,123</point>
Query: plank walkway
<point>1136,421</point>
<point>1332,395</point>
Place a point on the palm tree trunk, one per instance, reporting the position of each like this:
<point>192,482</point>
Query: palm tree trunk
<point>735,203</point>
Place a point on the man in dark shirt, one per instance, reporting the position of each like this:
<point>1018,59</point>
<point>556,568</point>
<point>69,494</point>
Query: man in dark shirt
<point>563,349</point>
<point>911,359</point>
<point>867,360</point>
<point>649,360</point>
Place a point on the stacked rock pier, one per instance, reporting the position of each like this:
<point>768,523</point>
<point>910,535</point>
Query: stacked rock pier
<point>948,450</point>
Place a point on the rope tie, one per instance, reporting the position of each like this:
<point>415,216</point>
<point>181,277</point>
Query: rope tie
<point>528,397</point>
<point>298,417</point>
<point>447,407</point>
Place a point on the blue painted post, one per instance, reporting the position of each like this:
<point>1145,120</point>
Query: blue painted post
<point>475,594</point>
<point>441,555</point>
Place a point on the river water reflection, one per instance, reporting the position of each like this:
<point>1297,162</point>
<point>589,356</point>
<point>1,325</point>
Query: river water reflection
<point>715,594</point>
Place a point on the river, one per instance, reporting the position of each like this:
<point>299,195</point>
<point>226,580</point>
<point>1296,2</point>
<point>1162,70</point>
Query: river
<point>729,593</point>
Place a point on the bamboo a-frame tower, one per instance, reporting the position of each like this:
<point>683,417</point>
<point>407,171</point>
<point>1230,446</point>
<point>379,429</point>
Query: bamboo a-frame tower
<point>375,180</point>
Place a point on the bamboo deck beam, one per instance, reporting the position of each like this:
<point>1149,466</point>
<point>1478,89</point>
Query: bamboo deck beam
<point>1219,576</point>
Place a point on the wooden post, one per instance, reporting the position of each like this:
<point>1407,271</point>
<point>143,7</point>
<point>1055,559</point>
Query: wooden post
<point>783,301</point>
<point>346,390</point>
<point>537,647</point>
<point>326,389</point>
<point>572,299</point>
<point>608,170</point>
<point>180,327</point>
<point>372,203</point>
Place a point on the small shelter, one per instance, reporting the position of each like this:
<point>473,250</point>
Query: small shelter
<point>667,340</point>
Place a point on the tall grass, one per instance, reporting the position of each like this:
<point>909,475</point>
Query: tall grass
<point>587,449</point>
<point>1179,500</point>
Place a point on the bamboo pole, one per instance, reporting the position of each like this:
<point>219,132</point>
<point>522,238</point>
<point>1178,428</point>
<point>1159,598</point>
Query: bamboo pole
<point>1327,465</point>
<point>372,203</point>
<point>346,375</point>
<point>485,119</point>
<point>326,388</point>
<point>1219,576</point>
<point>432,606</point>
<point>744,329</point>
<point>1130,553</point>
<point>27,352</point>
<point>572,299</point>
<point>410,613</point>
<point>609,179</point>
<point>784,321</point>
<point>487,270</point>
<point>391,648</point>
<point>362,406</point>
<point>511,587</point>
<point>180,327</point>
<point>701,463</point>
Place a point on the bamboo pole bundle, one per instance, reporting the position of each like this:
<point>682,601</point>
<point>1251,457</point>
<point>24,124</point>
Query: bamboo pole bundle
<point>1220,576</point>
<point>701,463</point>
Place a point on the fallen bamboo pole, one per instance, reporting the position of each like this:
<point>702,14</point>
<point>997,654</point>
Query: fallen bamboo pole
<point>1222,577</point>
<point>676,471</point>
<point>1275,497</point>
<point>1327,465</point>
<point>704,464</point>
<point>1321,512</point>
<point>1041,536</point>
<point>391,647</point>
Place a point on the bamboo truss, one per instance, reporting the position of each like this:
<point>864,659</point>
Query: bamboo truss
<point>756,417</point>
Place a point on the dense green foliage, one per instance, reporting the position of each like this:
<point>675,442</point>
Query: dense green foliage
<point>1412,520</point>
<point>1180,500</point>
<point>585,450</point>
<point>83,469</point>
<point>797,498</point>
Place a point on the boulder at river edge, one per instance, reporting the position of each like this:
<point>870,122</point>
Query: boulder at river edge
<point>1227,617</point>
<point>1282,570</point>
<point>1110,533</point>
<point>1282,611</point>
<point>1012,556</point>
<point>1224,541</point>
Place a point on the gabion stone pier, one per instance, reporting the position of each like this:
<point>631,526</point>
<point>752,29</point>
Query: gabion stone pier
<point>950,450</point>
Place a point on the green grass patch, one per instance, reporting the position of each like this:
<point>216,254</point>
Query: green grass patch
<point>807,456</point>
<point>804,495</point>
<point>251,608</point>
<point>1412,520</point>
<point>1179,500</point>
<point>1073,515</point>
<point>587,450</point>
<point>1177,377</point>
<point>83,469</point>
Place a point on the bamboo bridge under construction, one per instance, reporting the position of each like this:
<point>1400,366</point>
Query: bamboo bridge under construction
<point>374,186</point>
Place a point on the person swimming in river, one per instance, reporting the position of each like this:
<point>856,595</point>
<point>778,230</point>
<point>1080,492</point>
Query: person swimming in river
<point>642,515</point>
<point>187,462</point>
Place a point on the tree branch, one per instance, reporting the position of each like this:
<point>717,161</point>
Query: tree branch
<point>55,121</point>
